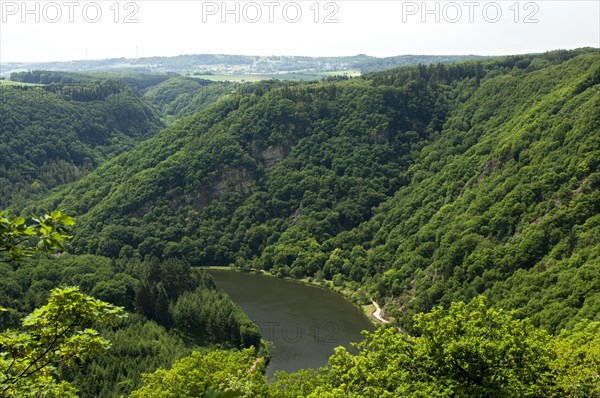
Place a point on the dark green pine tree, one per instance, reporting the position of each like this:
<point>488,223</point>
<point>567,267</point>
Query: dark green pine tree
<point>161,307</point>
<point>144,298</point>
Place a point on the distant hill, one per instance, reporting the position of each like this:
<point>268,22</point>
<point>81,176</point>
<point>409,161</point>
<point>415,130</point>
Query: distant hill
<point>181,96</point>
<point>236,64</point>
<point>418,186</point>
<point>52,134</point>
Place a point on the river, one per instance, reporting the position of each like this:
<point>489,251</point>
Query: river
<point>304,322</point>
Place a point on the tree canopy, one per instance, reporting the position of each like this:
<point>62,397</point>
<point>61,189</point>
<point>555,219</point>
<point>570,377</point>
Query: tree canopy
<point>50,231</point>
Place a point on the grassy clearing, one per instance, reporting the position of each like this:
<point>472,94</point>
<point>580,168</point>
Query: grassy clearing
<point>368,310</point>
<point>13,83</point>
<point>293,75</point>
<point>347,72</point>
<point>233,78</point>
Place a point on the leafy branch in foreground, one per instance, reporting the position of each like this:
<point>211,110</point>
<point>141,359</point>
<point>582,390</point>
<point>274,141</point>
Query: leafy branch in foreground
<point>16,237</point>
<point>57,333</point>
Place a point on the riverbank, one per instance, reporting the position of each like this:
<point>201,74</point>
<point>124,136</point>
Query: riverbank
<point>368,309</point>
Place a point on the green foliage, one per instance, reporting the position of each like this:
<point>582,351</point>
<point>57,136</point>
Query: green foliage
<point>210,316</point>
<point>137,81</point>
<point>499,200</point>
<point>181,96</point>
<point>50,230</point>
<point>577,367</point>
<point>137,346</point>
<point>215,374</point>
<point>53,134</point>
<point>57,333</point>
<point>239,175</point>
<point>297,384</point>
<point>48,77</point>
<point>479,351</point>
<point>26,287</point>
<point>176,296</point>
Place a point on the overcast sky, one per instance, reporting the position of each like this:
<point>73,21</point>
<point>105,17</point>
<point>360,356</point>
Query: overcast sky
<point>66,30</point>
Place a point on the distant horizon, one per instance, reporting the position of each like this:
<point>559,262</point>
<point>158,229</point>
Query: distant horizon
<point>271,55</point>
<point>300,56</point>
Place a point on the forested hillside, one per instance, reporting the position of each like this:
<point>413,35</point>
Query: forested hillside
<point>53,134</point>
<point>505,202</point>
<point>136,81</point>
<point>183,96</point>
<point>419,186</point>
<point>172,96</point>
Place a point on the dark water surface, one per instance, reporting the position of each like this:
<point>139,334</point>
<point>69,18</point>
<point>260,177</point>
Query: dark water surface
<point>304,322</point>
